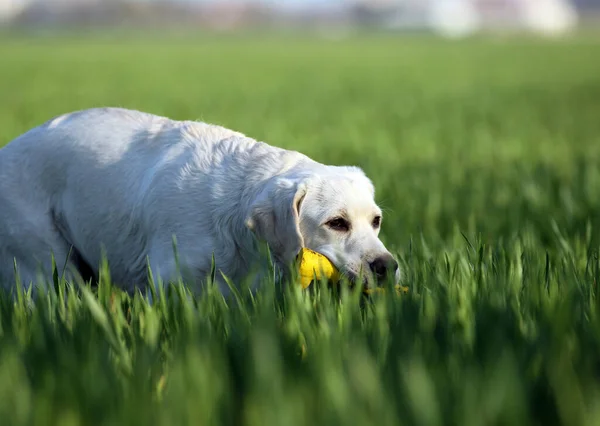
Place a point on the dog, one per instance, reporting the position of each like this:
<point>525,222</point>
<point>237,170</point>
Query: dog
<point>124,186</point>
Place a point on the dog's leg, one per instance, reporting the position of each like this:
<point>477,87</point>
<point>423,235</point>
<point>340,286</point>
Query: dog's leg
<point>29,239</point>
<point>161,269</point>
<point>168,267</point>
<point>31,263</point>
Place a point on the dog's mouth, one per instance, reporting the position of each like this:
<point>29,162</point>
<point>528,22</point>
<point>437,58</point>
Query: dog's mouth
<point>354,279</point>
<point>351,277</point>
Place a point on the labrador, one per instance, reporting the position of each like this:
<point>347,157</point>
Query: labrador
<point>124,185</point>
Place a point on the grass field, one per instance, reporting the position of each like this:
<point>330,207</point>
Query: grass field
<point>486,158</point>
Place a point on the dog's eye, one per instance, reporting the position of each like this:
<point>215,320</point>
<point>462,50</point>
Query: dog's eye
<point>376,222</point>
<point>339,224</point>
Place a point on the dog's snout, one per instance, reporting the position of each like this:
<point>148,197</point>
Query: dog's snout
<point>383,265</point>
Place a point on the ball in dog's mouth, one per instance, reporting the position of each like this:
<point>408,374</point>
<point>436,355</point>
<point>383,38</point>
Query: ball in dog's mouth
<point>312,264</point>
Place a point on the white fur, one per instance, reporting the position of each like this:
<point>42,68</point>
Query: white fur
<point>123,183</point>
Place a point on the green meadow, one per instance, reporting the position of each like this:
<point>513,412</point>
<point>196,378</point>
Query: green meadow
<point>486,158</point>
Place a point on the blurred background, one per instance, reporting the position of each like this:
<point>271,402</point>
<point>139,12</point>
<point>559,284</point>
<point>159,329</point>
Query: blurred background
<point>448,17</point>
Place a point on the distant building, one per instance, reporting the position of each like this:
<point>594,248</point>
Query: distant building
<point>549,16</point>
<point>102,13</point>
<point>11,8</point>
<point>456,18</point>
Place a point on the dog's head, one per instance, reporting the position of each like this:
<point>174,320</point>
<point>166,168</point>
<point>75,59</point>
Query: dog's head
<point>332,212</point>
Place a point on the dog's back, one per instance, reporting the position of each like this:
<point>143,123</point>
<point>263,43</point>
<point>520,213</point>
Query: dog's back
<point>54,177</point>
<point>122,179</point>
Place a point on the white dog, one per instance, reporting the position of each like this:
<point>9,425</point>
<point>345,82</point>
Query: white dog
<point>123,183</point>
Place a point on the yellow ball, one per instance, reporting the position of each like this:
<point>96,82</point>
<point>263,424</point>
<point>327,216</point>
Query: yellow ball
<point>313,264</point>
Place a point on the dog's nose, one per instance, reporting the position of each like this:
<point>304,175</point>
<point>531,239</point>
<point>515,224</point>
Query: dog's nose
<point>383,265</point>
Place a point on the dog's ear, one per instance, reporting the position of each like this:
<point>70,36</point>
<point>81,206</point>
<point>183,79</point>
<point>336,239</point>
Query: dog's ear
<point>274,218</point>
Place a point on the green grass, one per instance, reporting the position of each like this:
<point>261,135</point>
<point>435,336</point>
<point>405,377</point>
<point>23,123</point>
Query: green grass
<point>486,158</point>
